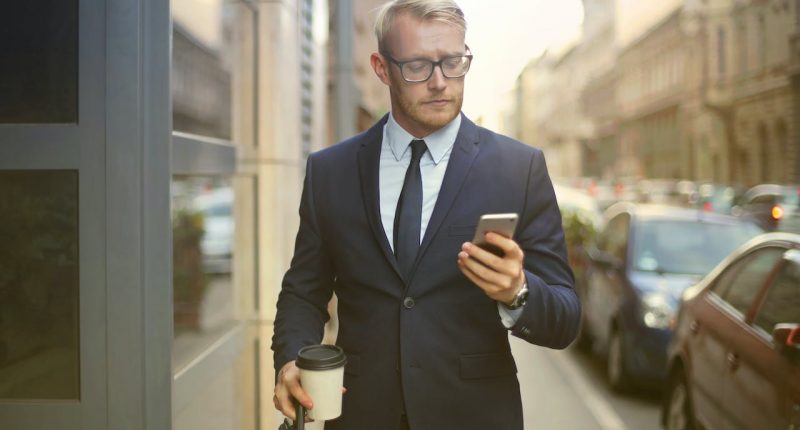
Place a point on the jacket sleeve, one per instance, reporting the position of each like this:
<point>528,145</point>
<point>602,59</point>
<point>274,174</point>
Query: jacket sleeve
<point>306,288</point>
<point>551,315</point>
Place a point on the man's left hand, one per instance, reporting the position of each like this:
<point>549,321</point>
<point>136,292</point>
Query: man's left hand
<point>499,277</point>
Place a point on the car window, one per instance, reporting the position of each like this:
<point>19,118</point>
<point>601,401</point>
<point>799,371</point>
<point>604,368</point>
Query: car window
<point>692,247</point>
<point>790,197</point>
<point>728,275</point>
<point>742,287</point>
<point>782,304</point>
<point>764,200</point>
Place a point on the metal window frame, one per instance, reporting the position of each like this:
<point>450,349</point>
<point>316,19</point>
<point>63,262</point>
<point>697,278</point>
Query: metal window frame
<point>79,147</point>
<point>195,155</point>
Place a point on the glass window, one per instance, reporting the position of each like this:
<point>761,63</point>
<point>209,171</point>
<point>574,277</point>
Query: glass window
<point>744,286</point>
<point>721,51</point>
<point>782,304</point>
<point>202,57</point>
<point>742,36</point>
<point>203,243</point>
<point>39,62</point>
<point>762,40</point>
<point>39,330</point>
<point>726,278</point>
<point>797,11</point>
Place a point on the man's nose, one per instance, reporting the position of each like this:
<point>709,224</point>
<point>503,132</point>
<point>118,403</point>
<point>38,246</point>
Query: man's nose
<point>437,80</point>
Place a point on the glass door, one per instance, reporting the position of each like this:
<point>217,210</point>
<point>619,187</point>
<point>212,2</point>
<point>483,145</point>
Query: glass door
<point>52,222</point>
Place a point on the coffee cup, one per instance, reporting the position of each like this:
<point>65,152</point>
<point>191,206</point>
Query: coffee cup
<point>322,377</point>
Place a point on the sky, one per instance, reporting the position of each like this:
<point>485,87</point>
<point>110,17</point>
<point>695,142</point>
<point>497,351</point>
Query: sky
<point>636,16</point>
<point>504,36</point>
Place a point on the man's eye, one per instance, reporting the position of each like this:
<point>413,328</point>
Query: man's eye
<point>453,61</point>
<point>417,66</point>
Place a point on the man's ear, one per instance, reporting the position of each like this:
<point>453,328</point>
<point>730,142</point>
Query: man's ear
<point>381,67</point>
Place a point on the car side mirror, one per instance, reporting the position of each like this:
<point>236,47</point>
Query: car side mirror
<point>786,338</point>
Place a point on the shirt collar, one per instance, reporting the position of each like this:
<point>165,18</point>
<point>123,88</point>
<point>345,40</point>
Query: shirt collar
<point>438,142</point>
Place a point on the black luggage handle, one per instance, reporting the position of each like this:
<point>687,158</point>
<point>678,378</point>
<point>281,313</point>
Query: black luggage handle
<point>299,422</point>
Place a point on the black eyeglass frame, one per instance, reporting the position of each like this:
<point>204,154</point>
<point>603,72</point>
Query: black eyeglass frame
<point>434,64</point>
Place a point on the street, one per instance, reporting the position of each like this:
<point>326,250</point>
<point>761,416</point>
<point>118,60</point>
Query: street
<point>567,390</point>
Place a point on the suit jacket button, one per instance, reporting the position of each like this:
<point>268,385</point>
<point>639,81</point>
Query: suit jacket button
<point>408,303</point>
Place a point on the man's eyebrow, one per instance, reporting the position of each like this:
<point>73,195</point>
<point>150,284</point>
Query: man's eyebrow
<point>455,54</point>
<point>444,55</point>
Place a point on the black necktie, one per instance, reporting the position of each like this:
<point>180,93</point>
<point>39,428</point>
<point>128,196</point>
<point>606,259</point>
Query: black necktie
<point>408,217</point>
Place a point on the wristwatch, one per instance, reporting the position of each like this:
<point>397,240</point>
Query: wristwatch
<point>519,299</point>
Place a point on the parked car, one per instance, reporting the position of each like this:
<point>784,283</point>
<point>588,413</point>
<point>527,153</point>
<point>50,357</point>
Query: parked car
<point>715,197</point>
<point>773,207</point>
<point>642,261</point>
<point>604,193</point>
<point>666,191</point>
<point>735,356</point>
<point>216,206</point>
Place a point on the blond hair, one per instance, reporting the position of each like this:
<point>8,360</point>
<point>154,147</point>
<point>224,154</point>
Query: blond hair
<point>446,11</point>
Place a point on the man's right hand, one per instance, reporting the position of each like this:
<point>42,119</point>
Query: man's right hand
<point>288,387</point>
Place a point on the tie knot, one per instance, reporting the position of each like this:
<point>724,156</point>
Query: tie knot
<point>418,148</point>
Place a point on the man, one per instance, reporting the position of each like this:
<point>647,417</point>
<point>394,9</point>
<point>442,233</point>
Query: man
<point>384,219</point>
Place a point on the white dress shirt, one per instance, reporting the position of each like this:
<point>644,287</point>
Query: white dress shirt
<point>394,161</point>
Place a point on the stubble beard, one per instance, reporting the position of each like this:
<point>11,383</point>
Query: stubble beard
<point>427,121</point>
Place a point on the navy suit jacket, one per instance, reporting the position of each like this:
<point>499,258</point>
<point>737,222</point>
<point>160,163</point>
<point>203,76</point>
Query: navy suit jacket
<point>444,353</point>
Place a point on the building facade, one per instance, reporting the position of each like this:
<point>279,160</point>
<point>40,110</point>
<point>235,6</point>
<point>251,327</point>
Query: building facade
<point>706,93</point>
<point>656,74</point>
<point>530,106</point>
<point>154,152</point>
<point>598,98</point>
<point>548,102</point>
<point>748,90</point>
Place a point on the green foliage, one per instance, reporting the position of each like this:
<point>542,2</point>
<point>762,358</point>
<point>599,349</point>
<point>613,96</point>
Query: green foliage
<point>579,232</point>
<point>578,228</point>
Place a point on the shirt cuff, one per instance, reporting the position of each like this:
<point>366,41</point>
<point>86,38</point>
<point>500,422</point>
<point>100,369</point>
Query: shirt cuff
<point>508,316</point>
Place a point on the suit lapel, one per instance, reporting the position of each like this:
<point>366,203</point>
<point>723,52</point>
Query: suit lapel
<point>465,149</point>
<point>368,166</point>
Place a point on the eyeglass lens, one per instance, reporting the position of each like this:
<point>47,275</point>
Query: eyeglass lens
<point>421,70</point>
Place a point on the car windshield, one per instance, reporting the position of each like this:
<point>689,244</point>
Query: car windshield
<point>687,247</point>
<point>791,197</point>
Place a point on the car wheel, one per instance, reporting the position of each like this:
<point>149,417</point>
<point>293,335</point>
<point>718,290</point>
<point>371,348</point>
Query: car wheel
<point>679,415</point>
<point>615,364</point>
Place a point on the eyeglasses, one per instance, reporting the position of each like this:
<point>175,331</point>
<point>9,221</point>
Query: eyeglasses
<point>420,70</point>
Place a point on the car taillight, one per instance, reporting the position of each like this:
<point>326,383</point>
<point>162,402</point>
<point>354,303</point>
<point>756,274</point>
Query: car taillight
<point>777,212</point>
<point>592,189</point>
<point>708,207</point>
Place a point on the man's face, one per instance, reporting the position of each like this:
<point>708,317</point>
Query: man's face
<point>424,107</point>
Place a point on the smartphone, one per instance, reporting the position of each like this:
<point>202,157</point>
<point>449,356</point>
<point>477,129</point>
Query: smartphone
<point>502,224</point>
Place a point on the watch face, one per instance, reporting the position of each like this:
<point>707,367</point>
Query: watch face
<point>522,296</point>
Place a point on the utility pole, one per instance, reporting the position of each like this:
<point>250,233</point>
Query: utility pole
<point>345,101</point>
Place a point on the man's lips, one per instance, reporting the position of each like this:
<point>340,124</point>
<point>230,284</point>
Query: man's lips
<point>438,102</point>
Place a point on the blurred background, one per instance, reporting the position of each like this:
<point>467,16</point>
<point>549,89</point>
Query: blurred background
<point>688,105</point>
<point>671,129</point>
